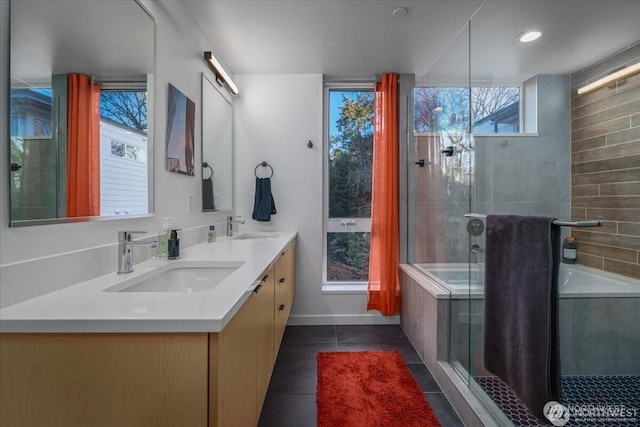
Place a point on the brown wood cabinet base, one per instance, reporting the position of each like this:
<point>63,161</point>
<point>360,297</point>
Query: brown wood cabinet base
<point>150,379</point>
<point>52,380</point>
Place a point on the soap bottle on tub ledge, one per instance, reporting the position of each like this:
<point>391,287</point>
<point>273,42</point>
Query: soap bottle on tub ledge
<point>569,250</point>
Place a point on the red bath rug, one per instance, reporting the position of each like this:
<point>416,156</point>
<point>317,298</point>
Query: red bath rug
<point>369,389</point>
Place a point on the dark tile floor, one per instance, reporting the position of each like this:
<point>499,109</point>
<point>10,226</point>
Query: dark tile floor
<point>291,399</point>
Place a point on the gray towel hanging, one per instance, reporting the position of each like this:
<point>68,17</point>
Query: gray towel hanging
<point>521,307</point>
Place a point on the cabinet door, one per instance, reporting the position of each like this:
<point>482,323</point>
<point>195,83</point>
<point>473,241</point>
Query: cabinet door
<point>264,298</point>
<point>291,274</point>
<point>236,369</point>
<point>103,379</point>
<point>285,289</point>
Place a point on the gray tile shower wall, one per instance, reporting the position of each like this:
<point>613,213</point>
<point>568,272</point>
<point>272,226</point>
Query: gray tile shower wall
<point>527,174</point>
<point>605,166</point>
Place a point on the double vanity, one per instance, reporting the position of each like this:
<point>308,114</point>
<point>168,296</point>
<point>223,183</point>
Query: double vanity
<point>186,342</point>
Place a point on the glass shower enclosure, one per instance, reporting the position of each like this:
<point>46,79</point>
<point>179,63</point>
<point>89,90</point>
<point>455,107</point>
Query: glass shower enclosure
<point>486,143</point>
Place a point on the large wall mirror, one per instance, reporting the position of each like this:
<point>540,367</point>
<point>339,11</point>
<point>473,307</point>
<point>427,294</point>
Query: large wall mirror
<point>80,110</point>
<point>217,147</point>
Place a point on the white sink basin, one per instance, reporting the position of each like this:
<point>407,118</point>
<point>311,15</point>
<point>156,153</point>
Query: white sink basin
<point>180,277</point>
<point>256,235</point>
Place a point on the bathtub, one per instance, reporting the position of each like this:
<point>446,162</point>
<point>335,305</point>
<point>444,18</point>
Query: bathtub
<point>599,316</point>
<point>574,281</point>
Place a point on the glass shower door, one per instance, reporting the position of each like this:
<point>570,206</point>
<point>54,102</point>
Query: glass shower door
<point>440,187</point>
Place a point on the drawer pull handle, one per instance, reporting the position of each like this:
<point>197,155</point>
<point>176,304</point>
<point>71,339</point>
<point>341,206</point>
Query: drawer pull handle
<point>281,307</point>
<point>281,280</point>
<point>257,289</point>
<point>253,286</point>
<point>266,276</point>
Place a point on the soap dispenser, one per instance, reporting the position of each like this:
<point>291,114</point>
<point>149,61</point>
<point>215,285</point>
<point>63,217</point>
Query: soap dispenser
<point>174,245</point>
<point>163,238</point>
<point>211,234</point>
<point>569,250</point>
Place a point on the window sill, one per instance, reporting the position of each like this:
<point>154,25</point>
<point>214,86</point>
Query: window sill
<point>344,288</point>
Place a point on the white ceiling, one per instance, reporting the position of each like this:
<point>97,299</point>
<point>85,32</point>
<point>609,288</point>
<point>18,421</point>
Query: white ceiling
<point>103,39</point>
<point>359,38</point>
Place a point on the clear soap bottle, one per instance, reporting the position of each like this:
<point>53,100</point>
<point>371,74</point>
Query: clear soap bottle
<point>163,238</point>
<point>211,234</point>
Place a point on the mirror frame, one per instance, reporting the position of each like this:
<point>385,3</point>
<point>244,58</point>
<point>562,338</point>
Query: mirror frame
<point>150,141</point>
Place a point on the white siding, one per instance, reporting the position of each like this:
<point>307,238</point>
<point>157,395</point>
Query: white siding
<point>123,181</point>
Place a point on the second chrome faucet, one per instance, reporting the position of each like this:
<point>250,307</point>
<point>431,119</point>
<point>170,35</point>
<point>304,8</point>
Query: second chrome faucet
<point>233,220</point>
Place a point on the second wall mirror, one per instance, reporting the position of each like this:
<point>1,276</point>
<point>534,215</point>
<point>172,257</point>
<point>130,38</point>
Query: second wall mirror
<point>217,147</point>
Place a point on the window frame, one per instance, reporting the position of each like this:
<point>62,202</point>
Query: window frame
<point>338,225</point>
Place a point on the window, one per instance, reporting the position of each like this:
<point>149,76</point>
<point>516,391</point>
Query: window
<point>349,156</point>
<point>494,109</point>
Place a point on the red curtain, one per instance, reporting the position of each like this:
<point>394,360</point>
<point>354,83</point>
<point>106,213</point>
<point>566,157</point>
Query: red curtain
<point>83,146</point>
<point>384,284</point>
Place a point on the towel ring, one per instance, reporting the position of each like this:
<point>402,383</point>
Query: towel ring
<point>206,165</point>
<point>264,165</point>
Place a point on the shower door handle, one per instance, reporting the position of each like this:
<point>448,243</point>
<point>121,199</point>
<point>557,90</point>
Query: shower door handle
<point>447,151</point>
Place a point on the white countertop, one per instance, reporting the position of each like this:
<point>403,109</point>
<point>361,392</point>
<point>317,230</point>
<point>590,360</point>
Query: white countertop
<point>85,307</point>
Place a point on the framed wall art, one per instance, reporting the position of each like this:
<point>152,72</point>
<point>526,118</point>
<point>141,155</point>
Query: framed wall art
<point>181,113</point>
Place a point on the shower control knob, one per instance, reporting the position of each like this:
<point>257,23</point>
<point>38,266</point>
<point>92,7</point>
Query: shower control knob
<point>448,151</point>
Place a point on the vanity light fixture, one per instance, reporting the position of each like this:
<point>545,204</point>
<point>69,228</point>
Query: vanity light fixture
<point>220,72</point>
<point>620,74</point>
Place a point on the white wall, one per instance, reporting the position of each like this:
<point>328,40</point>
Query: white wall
<point>274,118</point>
<point>39,259</point>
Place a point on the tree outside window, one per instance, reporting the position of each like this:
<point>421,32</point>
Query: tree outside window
<point>350,157</point>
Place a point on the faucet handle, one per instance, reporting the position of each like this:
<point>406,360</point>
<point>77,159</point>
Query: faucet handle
<point>125,236</point>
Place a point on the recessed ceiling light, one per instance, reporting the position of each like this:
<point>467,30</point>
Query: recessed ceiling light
<point>529,36</point>
<point>399,12</point>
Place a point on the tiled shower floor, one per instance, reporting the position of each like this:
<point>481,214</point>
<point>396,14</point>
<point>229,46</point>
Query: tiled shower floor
<point>576,390</point>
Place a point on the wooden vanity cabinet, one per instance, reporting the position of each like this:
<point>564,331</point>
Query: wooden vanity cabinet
<point>150,379</point>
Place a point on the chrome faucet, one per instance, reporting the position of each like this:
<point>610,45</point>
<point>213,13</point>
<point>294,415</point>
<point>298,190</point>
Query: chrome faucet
<point>125,249</point>
<point>232,220</point>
